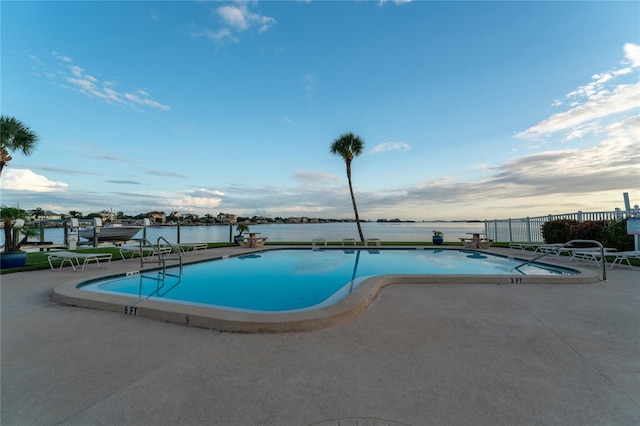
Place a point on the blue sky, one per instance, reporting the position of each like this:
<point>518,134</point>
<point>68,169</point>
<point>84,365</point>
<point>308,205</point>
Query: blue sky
<point>468,110</point>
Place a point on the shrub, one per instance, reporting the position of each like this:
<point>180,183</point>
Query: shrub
<point>610,234</point>
<point>557,231</point>
<point>588,230</point>
<point>615,235</point>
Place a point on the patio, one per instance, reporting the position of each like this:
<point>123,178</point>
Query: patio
<point>421,354</point>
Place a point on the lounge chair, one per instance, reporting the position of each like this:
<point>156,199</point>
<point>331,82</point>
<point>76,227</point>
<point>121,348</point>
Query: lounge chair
<point>372,241</point>
<point>525,246</point>
<point>128,252</point>
<point>74,259</point>
<point>194,247</point>
<point>590,254</point>
<point>554,248</point>
<point>623,256</point>
<point>318,241</point>
<point>350,241</point>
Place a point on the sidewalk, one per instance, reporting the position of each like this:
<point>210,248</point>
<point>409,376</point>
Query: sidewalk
<point>420,355</point>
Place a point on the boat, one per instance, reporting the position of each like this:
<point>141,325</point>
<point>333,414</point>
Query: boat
<point>112,232</point>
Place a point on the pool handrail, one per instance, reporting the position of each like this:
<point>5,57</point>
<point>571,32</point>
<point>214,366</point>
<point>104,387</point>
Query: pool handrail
<point>160,251</point>
<point>174,249</point>
<point>567,244</point>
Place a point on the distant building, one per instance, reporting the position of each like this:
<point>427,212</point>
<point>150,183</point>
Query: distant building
<point>156,217</point>
<point>104,215</point>
<point>43,215</point>
<point>226,218</point>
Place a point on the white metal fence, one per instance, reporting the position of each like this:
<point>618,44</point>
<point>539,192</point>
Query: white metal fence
<point>529,229</point>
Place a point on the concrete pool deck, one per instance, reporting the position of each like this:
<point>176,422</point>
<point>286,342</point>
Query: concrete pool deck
<point>420,354</point>
<point>339,312</point>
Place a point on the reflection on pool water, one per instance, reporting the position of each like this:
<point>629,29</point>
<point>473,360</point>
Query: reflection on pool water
<point>276,281</point>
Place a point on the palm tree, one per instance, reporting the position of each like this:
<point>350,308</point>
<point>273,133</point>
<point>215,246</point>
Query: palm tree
<point>12,241</point>
<point>38,212</point>
<point>14,136</point>
<point>349,146</point>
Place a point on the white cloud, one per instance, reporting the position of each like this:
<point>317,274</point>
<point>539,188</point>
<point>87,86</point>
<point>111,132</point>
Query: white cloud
<point>236,18</point>
<point>241,18</point>
<point>145,102</point>
<point>595,105</point>
<point>632,54</point>
<point>195,204</point>
<point>61,57</point>
<point>398,2</point>
<point>111,94</point>
<point>165,173</point>
<point>390,146</point>
<point>198,199</point>
<point>613,164</point>
<point>222,35</point>
<point>26,180</point>
<point>601,104</point>
<point>76,78</point>
<point>315,179</point>
<point>75,70</point>
<point>82,84</point>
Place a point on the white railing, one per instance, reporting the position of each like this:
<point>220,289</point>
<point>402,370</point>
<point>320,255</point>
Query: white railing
<point>529,229</point>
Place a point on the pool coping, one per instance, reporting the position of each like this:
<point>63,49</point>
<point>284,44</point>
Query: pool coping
<point>248,322</point>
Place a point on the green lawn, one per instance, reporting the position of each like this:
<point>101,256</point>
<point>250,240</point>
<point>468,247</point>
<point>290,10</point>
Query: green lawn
<point>39,260</point>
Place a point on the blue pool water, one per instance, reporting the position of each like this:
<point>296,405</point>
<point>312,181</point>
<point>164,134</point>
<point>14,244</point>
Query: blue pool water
<point>292,280</point>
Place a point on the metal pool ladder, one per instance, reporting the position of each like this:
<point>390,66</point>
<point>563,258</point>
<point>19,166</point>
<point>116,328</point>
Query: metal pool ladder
<point>162,252</point>
<point>161,280</point>
<point>568,244</point>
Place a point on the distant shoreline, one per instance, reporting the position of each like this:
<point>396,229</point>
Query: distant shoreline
<point>59,223</point>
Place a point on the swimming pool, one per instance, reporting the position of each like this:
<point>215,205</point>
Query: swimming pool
<point>311,288</point>
<point>295,280</point>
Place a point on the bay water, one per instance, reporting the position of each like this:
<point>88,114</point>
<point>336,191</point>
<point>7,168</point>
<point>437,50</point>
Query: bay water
<point>302,232</point>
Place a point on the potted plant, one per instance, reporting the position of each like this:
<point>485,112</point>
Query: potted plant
<point>13,222</point>
<point>241,229</point>
<point>438,238</point>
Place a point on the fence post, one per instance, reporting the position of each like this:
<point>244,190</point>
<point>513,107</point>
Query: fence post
<point>495,228</point>
<point>510,231</point>
<point>528,222</point>
<point>579,215</point>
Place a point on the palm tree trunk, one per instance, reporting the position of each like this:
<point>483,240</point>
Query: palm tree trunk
<point>353,200</point>
<point>8,238</point>
<point>4,158</point>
